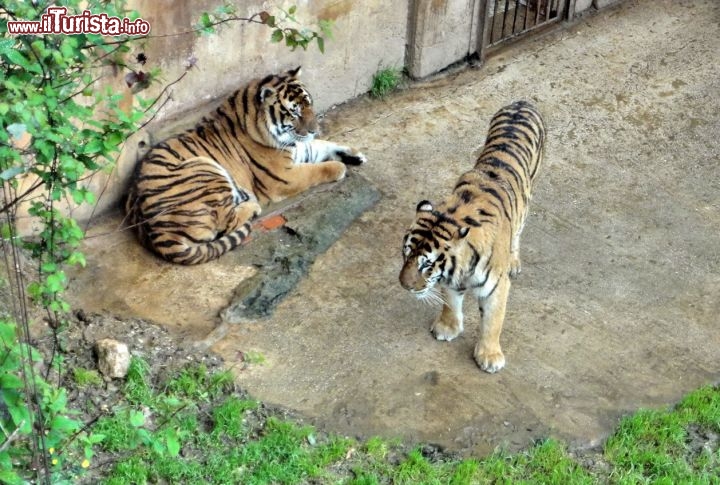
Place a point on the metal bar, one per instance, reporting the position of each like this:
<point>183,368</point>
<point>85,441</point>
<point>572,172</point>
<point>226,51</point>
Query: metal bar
<point>490,38</point>
<point>488,24</point>
<point>502,33</point>
<point>491,17</point>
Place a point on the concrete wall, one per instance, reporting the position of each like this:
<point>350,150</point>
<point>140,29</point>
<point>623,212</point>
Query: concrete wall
<point>423,36</point>
<point>441,32</point>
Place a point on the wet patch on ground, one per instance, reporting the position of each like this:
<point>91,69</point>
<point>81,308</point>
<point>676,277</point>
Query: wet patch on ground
<point>284,254</point>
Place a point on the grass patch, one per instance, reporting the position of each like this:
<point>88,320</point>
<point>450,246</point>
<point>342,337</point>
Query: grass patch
<point>670,446</point>
<point>86,377</point>
<point>197,428</point>
<point>137,383</point>
<point>547,462</point>
<point>196,382</point>
<point>385,81</point>
<point>229,418</point>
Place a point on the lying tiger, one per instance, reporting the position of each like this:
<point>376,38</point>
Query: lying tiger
<point>193,196</point>
<point>471,241</point>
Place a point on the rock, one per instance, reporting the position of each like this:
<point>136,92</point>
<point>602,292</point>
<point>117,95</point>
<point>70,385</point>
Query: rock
<point>113,358</point>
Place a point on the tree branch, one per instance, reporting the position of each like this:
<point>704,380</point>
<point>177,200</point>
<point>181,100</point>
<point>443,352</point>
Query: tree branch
<point>12,437</point>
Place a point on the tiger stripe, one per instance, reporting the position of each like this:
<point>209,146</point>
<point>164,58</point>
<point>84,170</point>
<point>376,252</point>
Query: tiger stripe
<point>193,196</point>
<point>470,242</point>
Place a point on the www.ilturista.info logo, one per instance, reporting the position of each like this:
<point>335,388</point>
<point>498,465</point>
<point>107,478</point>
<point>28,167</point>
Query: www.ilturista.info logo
<point>56,21</point>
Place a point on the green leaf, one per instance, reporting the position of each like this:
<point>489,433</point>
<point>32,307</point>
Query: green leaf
<point>113,140</point>
<point>53,283</point>
<point>292,10</point>
<point>63,424</point>
<point>6,231</point>
<point>326,28</point>
<point>19,414</point>
<point>48,267</point>
<point>173,444</point>
<point>17,58</point>
<point>10,477</point>
<point>321,44</point>
<point>96,438</point>
<point>137,419</point>
<point>93,146</point>
<point>35,290</point>
<point>205,20</point>
<point>78,196</point>
<point>59,403</point>
<point>7,334</point>
<point>6,45</point>
<point>77,258</point>
<point>276,36</point>
<point>4,108</point>
<point>10,381</point>
<point>12,172</point>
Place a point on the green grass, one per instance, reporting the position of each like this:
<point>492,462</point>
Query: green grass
<point>197,428</point>
<point>385,81</point>
<point>86,377</point>
<point>137,384</point>
<point>655,446</point>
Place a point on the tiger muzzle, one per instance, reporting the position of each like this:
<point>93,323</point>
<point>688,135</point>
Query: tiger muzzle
<point>410,277</point>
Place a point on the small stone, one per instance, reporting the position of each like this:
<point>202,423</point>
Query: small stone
<point>113,358</point>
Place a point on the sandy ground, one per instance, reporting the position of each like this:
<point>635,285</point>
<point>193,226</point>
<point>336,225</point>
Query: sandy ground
<point>617,305</point>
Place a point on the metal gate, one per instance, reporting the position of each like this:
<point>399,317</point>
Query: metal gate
<point>507,20</point>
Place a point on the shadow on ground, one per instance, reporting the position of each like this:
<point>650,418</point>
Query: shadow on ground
<point>617,304</point>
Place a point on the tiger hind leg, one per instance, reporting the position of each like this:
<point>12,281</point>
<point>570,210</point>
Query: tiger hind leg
<point>202,218</point>
<point>202,243</point>
<point>515,265</point>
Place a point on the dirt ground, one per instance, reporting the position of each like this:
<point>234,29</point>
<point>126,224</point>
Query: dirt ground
<point>617,305</point>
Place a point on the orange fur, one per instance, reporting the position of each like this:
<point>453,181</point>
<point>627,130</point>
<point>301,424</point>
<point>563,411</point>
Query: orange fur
<point>193,196</point>
<point>471,241</point>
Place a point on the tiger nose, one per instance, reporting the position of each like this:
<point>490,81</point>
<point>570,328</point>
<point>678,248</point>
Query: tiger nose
<point>407,278</point>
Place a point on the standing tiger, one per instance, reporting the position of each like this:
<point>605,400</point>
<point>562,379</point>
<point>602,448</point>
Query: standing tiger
<point>471,241</point>
<point>193,196</point>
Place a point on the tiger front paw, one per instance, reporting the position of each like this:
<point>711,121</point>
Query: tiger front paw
<point>334,171</point>
<point>350,156</point>
<point>489,360</point>
<point>447,331</point>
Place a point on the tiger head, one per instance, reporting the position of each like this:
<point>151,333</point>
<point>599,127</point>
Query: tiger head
<point>285,110</point>
<point>432,249</point>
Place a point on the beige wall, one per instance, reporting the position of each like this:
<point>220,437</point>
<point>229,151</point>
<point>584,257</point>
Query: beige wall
<point>422,35</point>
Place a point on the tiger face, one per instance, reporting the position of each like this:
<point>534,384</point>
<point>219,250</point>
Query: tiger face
<point>287,108</point>
<point>430,252</point>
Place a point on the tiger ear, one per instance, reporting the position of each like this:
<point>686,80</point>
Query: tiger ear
<point>463,231</point>
<point>265,93</point>
<point>424,206</point>
<point>295,72</point>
